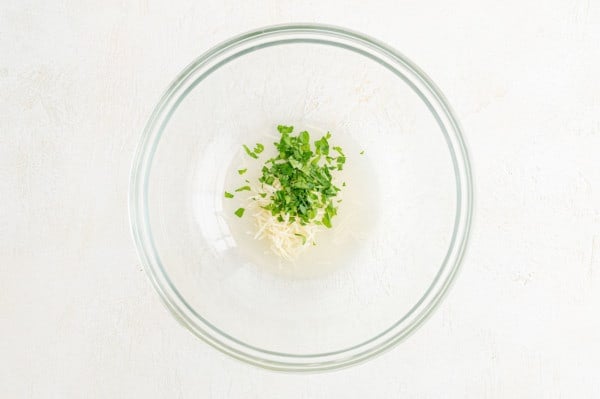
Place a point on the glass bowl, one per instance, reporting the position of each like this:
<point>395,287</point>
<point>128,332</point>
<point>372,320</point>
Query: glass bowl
<point>368,283</point>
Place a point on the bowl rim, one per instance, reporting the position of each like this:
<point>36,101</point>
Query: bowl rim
<point>219,56</point>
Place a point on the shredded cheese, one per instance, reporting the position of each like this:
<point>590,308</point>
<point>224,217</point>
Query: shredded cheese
<point>287,240</point>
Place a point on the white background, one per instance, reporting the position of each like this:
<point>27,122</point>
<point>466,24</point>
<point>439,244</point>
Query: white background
<point>78,317</point>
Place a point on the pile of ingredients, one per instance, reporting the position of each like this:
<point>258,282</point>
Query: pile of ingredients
<point>295,196</point>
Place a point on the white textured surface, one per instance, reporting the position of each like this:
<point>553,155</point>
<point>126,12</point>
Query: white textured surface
<point>78,317</point>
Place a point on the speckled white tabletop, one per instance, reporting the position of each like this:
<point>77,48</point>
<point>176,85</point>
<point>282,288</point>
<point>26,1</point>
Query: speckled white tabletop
<point>79,318</point>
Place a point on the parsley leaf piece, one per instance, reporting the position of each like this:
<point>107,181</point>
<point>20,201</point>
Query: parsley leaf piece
<point>250,153</point>
<point>258,148</point>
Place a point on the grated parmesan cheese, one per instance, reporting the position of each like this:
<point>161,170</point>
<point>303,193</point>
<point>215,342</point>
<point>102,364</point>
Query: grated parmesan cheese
<point>288,240</point>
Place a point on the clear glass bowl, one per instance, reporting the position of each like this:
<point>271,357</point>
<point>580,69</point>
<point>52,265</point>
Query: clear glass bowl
<point>358,294</point>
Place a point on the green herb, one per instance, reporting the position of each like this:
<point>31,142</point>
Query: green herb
<point>285,129</point>
<point>322,145</point>
<point>258,148</point>
<point>362,152</point>
<point>341,160</point>
<point>252,154</point>
<point>228,195</point>
<point>242,171</point>
<point>302,171</point>
<point>326,221</point>
<point>303,174</point>
<point>239,212</point>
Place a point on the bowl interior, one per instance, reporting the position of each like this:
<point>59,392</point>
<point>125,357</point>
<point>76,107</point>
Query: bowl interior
<point>396,225</point>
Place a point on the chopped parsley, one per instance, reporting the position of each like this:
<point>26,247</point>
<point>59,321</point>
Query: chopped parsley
<point>239,212</point>
<point>228,195</point>
<point>249,152</point>
<point>242,171</point>
<point>258,148</point>
<point>300,178</point>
